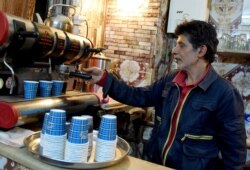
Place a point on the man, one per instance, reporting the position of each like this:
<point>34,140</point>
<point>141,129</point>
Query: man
<point>199,114</point>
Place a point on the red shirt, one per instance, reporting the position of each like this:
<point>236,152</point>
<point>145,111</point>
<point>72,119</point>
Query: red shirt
<point>103,79</point>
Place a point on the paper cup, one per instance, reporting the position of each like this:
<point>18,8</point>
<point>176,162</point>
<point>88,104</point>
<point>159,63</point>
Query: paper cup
<point>78,130</point>
<point>57,87</point>
<point>108,127</point>
<point>45,88</point>
<point>56,124</point>
<point>30,89</point>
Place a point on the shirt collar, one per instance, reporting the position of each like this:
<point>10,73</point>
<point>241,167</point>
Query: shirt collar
<point>181,77</point>
<point>210,77</point>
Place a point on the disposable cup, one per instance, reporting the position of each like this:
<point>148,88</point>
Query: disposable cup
<point>30,89</point>
<point>45,88</point>
<point>56,124</point>
<point>57,87</point>
<point>108,127</point>
<point>78,130</point>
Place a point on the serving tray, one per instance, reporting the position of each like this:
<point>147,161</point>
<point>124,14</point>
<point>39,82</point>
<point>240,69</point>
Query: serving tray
<point>32,143</point>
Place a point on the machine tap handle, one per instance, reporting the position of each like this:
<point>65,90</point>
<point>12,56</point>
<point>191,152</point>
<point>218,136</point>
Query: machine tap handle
<point>80,75</point>
<point>95,50</point>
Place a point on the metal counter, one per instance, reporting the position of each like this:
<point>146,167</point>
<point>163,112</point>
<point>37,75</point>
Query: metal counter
<point>26,159</point>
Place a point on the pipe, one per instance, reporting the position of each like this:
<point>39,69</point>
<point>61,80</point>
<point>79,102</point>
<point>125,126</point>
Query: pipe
<point>14,110</point>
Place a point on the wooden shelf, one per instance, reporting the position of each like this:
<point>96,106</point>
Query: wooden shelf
<point>228,56</point>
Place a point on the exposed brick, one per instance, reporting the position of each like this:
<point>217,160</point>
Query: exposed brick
<point>126,57</point>
<point>149,27</point>
<point>110,44</point>
<point>125,49</point>
<point>151,19</point>
<point>132,54</point>
<point>142,35</point>
<point>135,46</point>
<point>141,51</point>
<point>144,39</point>
<point>112,47</point>
<point>145,44</point>
<point>132,36</point>
<point>115,21</point>
<point>147,23</point>
<point>135,26</point>
<point>122,45</point>
<point>116,37</point>
<point>111,55</point>
<point>128,29</point>
<point>109,51</point>
<point>119,52</point>
<point>142,31</point>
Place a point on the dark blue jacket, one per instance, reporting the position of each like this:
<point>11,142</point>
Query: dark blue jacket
<point>211,122</point>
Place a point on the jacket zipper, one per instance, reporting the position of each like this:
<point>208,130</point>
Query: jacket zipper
<point>164,154</point>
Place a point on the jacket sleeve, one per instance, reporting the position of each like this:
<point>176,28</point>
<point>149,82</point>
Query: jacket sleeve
<point>231,130</point>
<point>134,96</point>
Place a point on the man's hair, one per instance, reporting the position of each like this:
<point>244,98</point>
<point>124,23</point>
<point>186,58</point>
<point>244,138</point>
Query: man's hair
<point>200,33</point>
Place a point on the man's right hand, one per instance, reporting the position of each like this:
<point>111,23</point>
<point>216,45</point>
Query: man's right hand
<point>95,72</point>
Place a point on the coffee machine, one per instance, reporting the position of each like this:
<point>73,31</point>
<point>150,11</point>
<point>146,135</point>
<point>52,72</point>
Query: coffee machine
<point>33,51</point>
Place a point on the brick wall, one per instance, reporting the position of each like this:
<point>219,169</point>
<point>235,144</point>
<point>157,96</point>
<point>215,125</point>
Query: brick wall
<point>131,35</point>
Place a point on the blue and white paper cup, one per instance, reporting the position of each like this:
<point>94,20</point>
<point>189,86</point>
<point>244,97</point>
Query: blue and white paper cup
<point>56,124</point>
<point>57,87</point>
<point>78,130</point>
<point>30,89</point>
<point>108,127</point>
<point>45,88</point>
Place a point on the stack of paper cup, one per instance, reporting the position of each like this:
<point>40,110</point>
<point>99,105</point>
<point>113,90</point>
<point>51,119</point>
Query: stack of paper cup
<point>55,134</point>
<point>76,149</point>
<point>90,133</point>
<point>45,120</point>
<point>106,139</point>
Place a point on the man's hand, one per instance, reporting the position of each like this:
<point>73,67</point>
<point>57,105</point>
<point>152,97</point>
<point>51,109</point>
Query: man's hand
<point>95,72</point>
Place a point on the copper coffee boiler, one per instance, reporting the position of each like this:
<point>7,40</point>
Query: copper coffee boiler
<point>33,51</point>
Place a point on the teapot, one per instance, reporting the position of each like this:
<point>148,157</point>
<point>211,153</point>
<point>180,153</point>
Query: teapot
<point>59,21</point>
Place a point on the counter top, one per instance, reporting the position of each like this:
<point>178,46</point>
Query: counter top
<point>25,158</point>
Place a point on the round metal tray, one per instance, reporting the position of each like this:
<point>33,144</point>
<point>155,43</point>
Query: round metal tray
<point>32,143</point>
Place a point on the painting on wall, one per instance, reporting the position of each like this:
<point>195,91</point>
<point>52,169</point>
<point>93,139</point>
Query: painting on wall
<point>226,14</point>
<point>239,75</point>
<point>132,72</point>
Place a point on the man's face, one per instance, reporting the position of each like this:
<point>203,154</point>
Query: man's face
<point>185,55</point>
